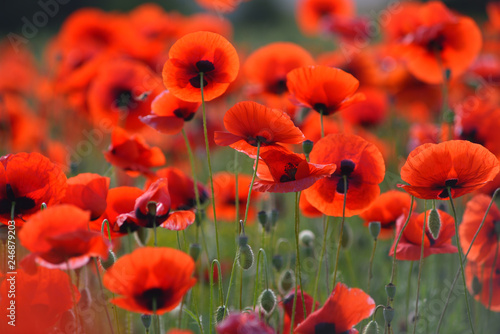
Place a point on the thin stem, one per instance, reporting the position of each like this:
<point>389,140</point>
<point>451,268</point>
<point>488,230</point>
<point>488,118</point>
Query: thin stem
<point>321,120</point>
<point>251,183</point>
<point>408,285</point>
<point>12,210</point>
<point>399,238</point>
<point>207,147</point>
<point>461,262</point>
<point>420,266</point>
<point>102,294</point>
<point>236,192</point>
<point>341,232</point>
<point>154,229</point>
<point>370,269</point>
<point>493,267</point>
<point>322,254</point>
<point>241,289</point>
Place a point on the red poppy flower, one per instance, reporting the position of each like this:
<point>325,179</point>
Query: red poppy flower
<point>248,123</point>
<point>307,209</point>
<point>441,40</point>
<point>28,180</point>
<point>243,323</point>
<point>299,309</point>
<point>131,153</point>
<point>150,277</point>
<point>169,113</point>
<point>88,192</point>
<point>457,164</point>
<point>41,298</point>
<point>180,331</point>
<point>196,53</point>
<point>489,285</point>
<point>410,245</point>
<point>18,69</point>
<point>120,200</point>
<point>157,193</point>
<point>224,6</point>
<point>370,112</point>
<point>313,15</point>
<point>225,197</point>
<point>59,237</point>
<point>180,188</point>
<point>386,209</point>
<point>343,310</point>
<point>359,161</point>
<point>487,239</point>
<point>324,89</point>
<point>282,171</point>
<point>198,22</point>
<point>121,92</point>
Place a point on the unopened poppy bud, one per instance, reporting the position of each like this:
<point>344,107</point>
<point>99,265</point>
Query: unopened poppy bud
<point>390,290</point>
<point>371,328</point>
<point>219,314</point>
<point>434,223</point>
<point>346,237</point>
<point>106,264</point>
<point>242,240</point>
<point>306,238</point>
<point>374,228</point>
<point>388,314</point>
<point>263,219</point>
<point>287,281</point>
<point>146,320</point>
<point>277,262</point>
<point>307,146</point>
<point>43,206</point>
<point>142,236</point>
<point>152,208</point>
<point>477,287</point>
<point>194,251</point>
<point>267,301</point>
<point>274,217</point>
<point>245,257</point>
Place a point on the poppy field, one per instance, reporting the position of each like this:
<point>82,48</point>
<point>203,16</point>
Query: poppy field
<point>179,172</point>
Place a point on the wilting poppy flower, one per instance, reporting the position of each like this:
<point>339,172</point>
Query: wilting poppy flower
<point>487,292</point>
<point>359,161</point>
<point>41,298</point>
<point>243,323</point>
<point>487,239</point>
<point>410,245</point>
<point>131,153</point>
<point>441,40</point>
<point>386,209</point>
<point>196,54</point>
<point>313,15</point>
<point>141,216</point>
<point>225,196</point>
<point>282,171</point>
<point>121,92</point>
<point>180,188</point>
<point>59,237</point>
<point>324,89</point>
<point>248,123</point>
<point>343,310</point>
<point>88,192</point>
<point>28,180</point>
<point>299,309</point>
<point>169,113</point>
<point>456,164</point>
<point>150,279</point>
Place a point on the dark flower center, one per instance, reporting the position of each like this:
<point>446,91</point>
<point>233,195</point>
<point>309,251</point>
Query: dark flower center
<point>346,168</point>
<point>321,108</point>
<point>324,328</point>
<point>22,203</point>
<point>148,219</point>
<point>436,44</point>
<point>154,296</point>
<point>185,114</point>
<point>203,66</point>
<point>290,170</point>
<point>124,100</point>
<point>472,136</point>
<point>448,183</point>
<point>278,87</point>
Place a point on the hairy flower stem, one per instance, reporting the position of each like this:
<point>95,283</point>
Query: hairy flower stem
<point>340,234</point>
<point>420,266</point>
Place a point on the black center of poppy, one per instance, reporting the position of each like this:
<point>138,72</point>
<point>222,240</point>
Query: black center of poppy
<point>185,114</point>
<point>321,108</point>
<point>448,183</point>
<point>146,220</point>
<point>23,203</point>
<point>324,328</point>
<point>278,87</point>
<point>154,296</point>
<point>436,44</point>
<point>472,136</point>
<point>124,100</point>
<point>340,185</point>
<point>347,167</point>
<point>290,170</point>
<point>205,66</point>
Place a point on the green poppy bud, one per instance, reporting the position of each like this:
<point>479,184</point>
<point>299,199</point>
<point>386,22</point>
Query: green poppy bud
<point>146,320</point>
<point>106,264</point>
<point>434,223</point>
<point>371,328</point>
<point>267,301</point>
<point>245,257</point>
<point>388,314</point>
<point>390,290</point>
<point>307,146</point>
<point>219,314</point>
<point>194,251</point>
<point>374,228</point>
<point>286,281</point>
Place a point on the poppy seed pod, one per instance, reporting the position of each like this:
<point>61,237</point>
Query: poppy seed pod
<point>374,228</point>
<point>434,223</point>
<point>371,328</point>
<point>390,290</point>
<point>277,262</point>
<point>194,251</point>
<point>245,257</point>
<point>306,238</point>
<point>146,320</point>
<point>388,314</point>
<point>106,264</point>
<point>219,314</point>
<point>267,301</point>
<point>307,146</point>
<point>286,281</point>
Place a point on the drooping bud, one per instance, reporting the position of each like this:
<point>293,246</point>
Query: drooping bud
<point>146,320</point>
<point>477,286</point>
<point>152,208</point>
<point>434,223</point>
<point>374,228</point>
<point>219,314</point>
<point>390,290</point>
<point>242,240</point>
<point>307,146</point>
<point>277,262</point>
<point>267,300</point>
<point>388,314</point>
<point>194,251</point>
<point>306,238</point>
<point>371,328</point>
<point>245,257</point>
<point>106,264</point>
<point>286,281</point>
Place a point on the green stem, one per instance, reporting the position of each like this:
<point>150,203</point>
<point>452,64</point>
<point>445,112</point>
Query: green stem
<point>236,192</point>
<point>102,294</point>
<point>221,300</point>
<point>251,183</point>
<point>341,232</point>
<point>408,285</point>
<point>493,268</point>
<point>321,120</point>
<point>420,266</point>
<point>370,269</point>
<point>322,254</point>
<point>399,238</point>
<point>154,229</point>
<point>207,147</point>
<point>193,169</point>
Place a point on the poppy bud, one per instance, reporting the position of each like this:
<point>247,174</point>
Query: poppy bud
<point>109,262</point>
<point>346,237</point>
<point>307,146</point>
<point>286,282</point>
<point>245,257</point>
<point>267,301</point>
<point>371,328</point>
<point>390,290</point>
<point>194,251</point>
<point>374,228</point>
<point>477,287</point>
<point>434,223</point>
<point>219,314</point>
<point>388,314</point>
<point>43,206</point>
<point>306,238</point>
<point>274,217</point>
<point>152,208</point>
<point>142,236</point>
<point>263,219</point>
<point>146,320</point>
<point>242,240</point>
<point>277,262</point>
